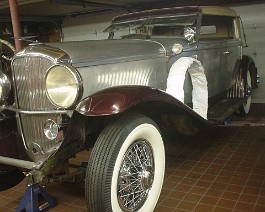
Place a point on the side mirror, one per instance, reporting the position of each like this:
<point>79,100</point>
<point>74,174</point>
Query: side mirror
<point>189,34</point>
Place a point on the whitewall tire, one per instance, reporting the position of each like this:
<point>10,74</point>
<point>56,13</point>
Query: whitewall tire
<point>127,164</point>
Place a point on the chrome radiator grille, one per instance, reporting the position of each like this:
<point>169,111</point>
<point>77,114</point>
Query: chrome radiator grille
<point>29,75</point>
<point>32,127</point>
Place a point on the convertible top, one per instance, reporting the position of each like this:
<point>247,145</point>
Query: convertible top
<point>209,10</point>
<point>215,10</point>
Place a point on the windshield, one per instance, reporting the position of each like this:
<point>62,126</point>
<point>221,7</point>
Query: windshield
<point>152,26</point>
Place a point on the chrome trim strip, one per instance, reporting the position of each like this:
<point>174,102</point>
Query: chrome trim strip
<point>19,163</point>
<point>37,112</point>
<point>53,54</point>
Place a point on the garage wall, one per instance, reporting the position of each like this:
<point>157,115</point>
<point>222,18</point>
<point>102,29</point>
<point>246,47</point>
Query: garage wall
<point>91,28</point>
<point>87,28</point>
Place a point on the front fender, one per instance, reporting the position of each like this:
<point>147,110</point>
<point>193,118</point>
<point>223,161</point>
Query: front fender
<point>91,115</point>
<point>117,100</point>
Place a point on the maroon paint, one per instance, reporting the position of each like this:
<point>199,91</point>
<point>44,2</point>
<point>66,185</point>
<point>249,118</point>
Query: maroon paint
<point>119,99</point>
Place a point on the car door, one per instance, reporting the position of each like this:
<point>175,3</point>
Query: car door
<point>231,54</point>
<point>218,50</point>
<point>208,53</point>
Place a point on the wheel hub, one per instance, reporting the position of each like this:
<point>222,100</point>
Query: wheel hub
<point>248,92</point>
<point>146,178</point>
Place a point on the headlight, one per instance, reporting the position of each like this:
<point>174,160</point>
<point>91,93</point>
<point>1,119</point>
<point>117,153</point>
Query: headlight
<point>177,48</point>
<point>5,86</point>
<point>63,85</point>
<point>50,129</point>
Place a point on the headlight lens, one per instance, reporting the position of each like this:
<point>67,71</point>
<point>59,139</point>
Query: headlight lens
<point>177,48</point>
<point>50,129</point>
<point>63,85</point>
<point>5,87</point>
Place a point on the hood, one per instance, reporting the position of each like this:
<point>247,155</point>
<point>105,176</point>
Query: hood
<point>97,52</point>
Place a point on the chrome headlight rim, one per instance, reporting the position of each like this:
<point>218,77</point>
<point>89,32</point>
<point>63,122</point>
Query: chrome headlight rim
<point>5,86</point>
<point>78,81</point>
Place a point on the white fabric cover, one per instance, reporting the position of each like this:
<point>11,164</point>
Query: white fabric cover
<point>176,78</point>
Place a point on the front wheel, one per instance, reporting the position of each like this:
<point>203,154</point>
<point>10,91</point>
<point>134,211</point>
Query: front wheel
<point>126,167</point>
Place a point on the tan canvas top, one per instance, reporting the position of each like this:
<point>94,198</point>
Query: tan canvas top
<point>209,10</point>
<point>215,10</point>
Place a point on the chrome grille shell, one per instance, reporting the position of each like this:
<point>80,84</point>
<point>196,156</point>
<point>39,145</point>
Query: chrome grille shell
<point>29,73</point>
<point>35,140</point>
<point>29,69</point>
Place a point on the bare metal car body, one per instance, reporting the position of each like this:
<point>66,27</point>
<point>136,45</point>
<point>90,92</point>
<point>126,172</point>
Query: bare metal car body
<point>115,78</point>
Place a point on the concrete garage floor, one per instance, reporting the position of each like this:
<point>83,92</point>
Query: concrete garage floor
<point>222,169</point>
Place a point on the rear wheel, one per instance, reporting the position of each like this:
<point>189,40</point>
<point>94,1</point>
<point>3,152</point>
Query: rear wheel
<point>126,169</point>
<point>245,107</point>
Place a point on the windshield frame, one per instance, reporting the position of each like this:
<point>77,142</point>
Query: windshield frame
<point>148,21</point>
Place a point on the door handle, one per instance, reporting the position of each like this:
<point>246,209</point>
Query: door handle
<point>227,52</point>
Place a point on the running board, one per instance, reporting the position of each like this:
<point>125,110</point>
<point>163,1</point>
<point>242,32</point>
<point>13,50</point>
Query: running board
<point>218,112</point>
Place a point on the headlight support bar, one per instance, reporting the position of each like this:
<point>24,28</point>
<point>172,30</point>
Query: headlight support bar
<point>67,112</point>
<point>19,163</point>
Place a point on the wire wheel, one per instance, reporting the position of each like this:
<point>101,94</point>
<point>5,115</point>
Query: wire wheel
<point>136,176</point>
<point>126,166</point>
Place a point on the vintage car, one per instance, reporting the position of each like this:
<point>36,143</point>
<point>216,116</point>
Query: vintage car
<point>160,71</point>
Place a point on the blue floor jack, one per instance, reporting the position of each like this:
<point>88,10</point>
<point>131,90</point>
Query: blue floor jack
<point>35,198</point>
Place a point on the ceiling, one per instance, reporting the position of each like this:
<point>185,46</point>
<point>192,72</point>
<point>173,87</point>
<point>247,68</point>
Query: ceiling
<point>64,8</point>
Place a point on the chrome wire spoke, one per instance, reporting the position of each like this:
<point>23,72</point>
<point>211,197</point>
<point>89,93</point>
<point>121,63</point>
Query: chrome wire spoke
<point>131,162</point>
<point>135,198</point>
<point>128,186</point>
<point>146,156</point>
<point>130,194</point>
<point>138,156</point>
<point>130,198</point>
<point>136,192</point>
<point>146,160</point>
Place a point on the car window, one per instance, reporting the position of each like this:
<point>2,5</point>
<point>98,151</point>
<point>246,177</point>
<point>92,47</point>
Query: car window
<point>217,27</point>
<point>171,26</point>
<point>153,26</point>
<point>208,30</point>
